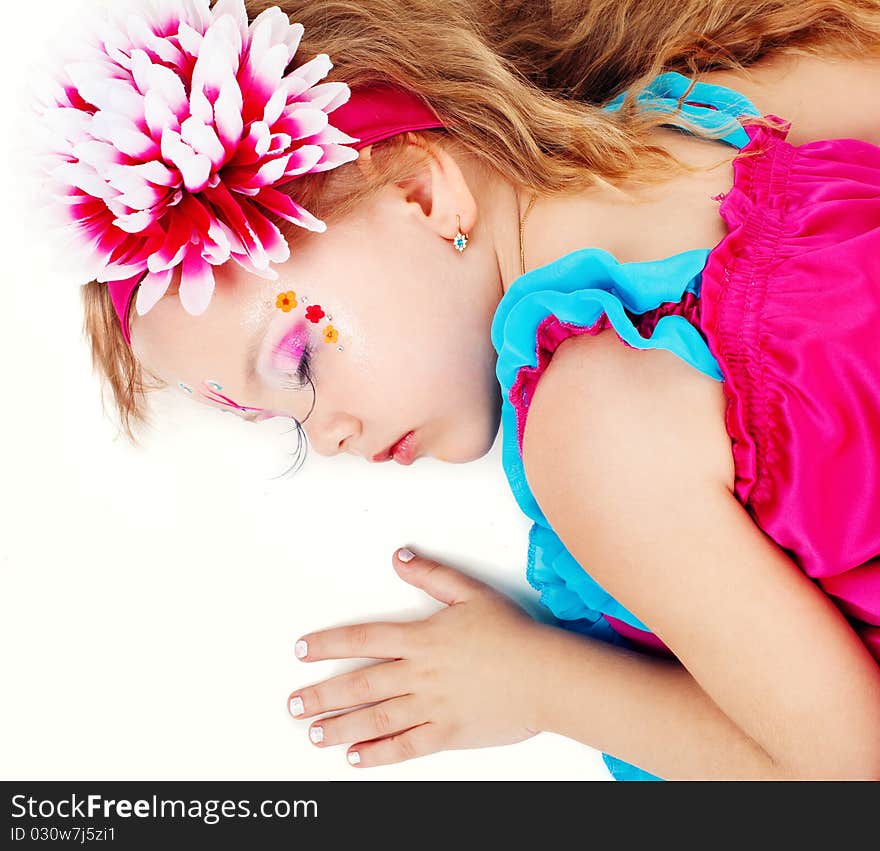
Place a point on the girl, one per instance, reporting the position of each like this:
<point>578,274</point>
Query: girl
<point>682,326</point>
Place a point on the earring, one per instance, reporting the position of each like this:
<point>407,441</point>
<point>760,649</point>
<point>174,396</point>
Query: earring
<point>461,239</point>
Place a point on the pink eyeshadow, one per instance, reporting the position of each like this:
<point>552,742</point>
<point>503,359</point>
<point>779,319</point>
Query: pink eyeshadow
<point>289,350</point>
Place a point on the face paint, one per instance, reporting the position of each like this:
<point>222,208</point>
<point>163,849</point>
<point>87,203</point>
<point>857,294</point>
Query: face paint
<point>289,351</point>
<point>217,398</point>
<point>287,301</point>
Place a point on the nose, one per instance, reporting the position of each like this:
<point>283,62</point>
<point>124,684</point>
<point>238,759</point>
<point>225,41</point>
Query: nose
<point>339,436</point>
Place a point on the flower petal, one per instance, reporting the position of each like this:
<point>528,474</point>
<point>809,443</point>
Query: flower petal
<point>302,122</point>
<point>314,70</point>
<point>328,96</point>
<point>194,168</point>
<point>189,38</point>
<point>99,155</point>
<point>203,140</point>
<point>335,156</point>
<point>227,115</point>
<point>283,205</point>
<point>151,290</point>
<point>237,10</point>
<point>196,282</point>
<point>172,250</point>
<point>119,131</point>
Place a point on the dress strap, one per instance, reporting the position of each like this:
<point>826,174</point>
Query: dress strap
<point>711,106</point>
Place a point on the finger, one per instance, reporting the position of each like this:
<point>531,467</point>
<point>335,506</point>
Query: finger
<point>375,722</point>
<point>419,741</point>
<point>442,582</point>
<point>359,641</point>
<point>367,685</point>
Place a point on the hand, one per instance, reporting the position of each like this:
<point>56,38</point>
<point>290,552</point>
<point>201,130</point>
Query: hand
<point>462,678</point>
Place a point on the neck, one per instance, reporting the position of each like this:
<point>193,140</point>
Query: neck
<point>557,225</point>
<point>633,222</point>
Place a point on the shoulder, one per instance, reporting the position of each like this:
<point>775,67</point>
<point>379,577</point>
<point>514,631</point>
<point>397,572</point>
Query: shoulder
<point>844,93</point>
<point>619,417</point>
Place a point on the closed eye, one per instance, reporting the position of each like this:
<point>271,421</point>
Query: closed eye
<point>303,371</point>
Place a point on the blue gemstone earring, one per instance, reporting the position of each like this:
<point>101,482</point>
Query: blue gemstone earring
<point>461,239</point>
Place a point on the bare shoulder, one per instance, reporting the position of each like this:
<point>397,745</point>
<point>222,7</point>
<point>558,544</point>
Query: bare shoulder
<point>823,96</point>
<point>615,413</point>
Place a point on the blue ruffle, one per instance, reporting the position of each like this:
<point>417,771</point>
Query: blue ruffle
<point>578,289</point>
<point>663,94</point>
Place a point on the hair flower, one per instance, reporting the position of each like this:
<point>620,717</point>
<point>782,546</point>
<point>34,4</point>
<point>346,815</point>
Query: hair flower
<point>167,139</point>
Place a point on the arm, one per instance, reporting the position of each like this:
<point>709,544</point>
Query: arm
<point>645,710</point>
<point>641,434</point>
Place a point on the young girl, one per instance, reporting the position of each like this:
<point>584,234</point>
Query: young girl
<point>682,326</point>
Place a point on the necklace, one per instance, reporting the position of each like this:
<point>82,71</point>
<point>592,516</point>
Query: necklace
<point>522,226</point>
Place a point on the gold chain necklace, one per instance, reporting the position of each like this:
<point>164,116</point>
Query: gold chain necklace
<point>522,226</point>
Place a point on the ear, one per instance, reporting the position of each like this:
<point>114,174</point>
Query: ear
<point>365,160</point>
<point>439,193</point>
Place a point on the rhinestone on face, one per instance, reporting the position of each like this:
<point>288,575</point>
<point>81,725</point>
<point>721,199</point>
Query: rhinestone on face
<point>339,349</point>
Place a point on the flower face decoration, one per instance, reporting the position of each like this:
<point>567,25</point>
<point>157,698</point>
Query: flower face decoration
<point>314,313</point>
<point>286,301</point>
<point>167,139</point>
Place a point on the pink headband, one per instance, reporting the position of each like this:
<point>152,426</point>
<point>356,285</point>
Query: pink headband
<point>170,136</point>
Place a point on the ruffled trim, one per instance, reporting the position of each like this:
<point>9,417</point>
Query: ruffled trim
<point>552,333</point>
<point>565,587</point>
<point>732,335</point>
<point>584,292</point>
<point>725,106</point>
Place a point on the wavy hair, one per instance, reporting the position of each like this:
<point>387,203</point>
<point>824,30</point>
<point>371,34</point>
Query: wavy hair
<point>519,84</point>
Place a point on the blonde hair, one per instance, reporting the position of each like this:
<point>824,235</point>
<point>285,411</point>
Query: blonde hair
<point>519,84</point>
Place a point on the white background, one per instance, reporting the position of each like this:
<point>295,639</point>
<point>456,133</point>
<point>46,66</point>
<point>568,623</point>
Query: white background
<point>151,596</point>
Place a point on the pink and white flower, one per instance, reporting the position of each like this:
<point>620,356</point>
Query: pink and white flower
<point>168,137</point>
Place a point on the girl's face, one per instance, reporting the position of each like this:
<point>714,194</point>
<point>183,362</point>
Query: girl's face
<point>393,320</point>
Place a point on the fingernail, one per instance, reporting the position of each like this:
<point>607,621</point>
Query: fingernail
<point>406,555</point>
<point>354,757</point>
<point>316,734</point>
<point>301,648</point>
<point>296,706</point>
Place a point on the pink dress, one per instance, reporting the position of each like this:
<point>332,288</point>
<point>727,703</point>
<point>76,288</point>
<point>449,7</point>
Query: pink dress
<point>785,311</point>
<point>789,306</point>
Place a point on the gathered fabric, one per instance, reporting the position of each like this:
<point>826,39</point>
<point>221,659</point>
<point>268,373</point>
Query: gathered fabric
<point>785,312</point>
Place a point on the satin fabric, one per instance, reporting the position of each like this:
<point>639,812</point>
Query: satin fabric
<point>786,308</point>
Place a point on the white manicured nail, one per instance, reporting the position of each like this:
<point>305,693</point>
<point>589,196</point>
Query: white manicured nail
<point>296,706</point>
<point>301,648</point>
<point>354,757</point>
<point>406,555</point>
<point>316,734</point>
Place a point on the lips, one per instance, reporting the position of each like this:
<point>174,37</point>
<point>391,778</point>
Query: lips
<point>403,451</point>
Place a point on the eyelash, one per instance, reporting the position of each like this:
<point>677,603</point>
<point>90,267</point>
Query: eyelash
<point>303,370</point>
